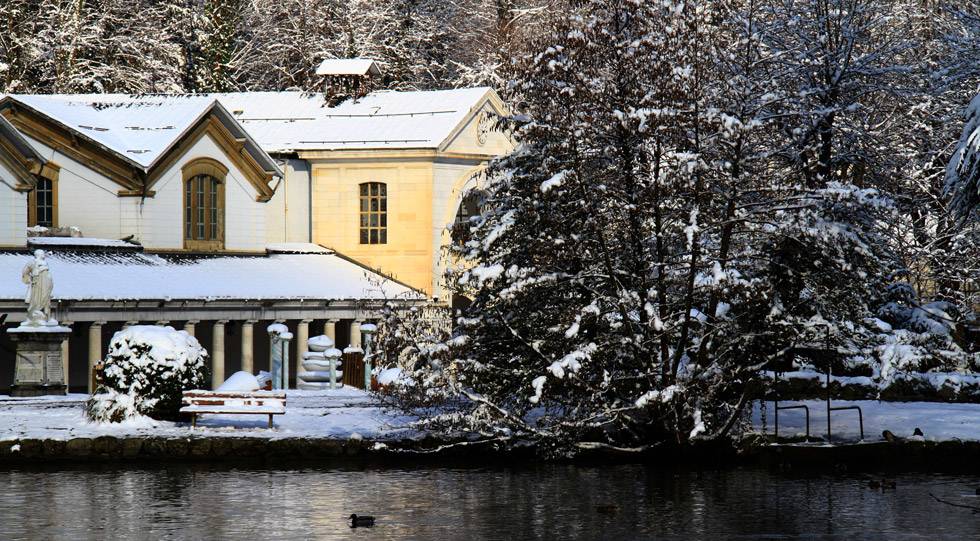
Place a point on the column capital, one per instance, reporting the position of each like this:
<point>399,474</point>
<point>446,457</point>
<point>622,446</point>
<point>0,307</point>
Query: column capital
<point>306,321</point>
<point>250,322</point>
<point>192,322</point>
<point>221,322</point>
<point>163,323</point>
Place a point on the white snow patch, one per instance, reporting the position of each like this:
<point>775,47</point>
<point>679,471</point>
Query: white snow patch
<point>538,385</point>
<point>553,182</point>
<point>240,381</point>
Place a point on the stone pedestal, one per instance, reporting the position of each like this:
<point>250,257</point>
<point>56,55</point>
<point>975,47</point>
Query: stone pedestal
<point>38,369</point>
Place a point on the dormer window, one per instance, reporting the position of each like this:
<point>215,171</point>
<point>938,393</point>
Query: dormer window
<point>204,205</point>
<point>374,213</point>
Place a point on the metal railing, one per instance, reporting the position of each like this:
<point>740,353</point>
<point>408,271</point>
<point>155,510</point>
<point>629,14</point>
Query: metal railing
<point>841,408</point>
<point>805,408</point>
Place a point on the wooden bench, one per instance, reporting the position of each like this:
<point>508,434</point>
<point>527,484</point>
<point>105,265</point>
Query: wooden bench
<point>233,403</point>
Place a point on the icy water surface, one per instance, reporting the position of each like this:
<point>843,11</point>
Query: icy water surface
<point>548,502</point>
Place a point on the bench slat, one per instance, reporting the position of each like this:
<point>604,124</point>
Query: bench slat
<point>234,410</point>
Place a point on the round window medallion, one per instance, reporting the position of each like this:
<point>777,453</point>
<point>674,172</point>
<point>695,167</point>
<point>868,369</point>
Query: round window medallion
<point>484,128</point>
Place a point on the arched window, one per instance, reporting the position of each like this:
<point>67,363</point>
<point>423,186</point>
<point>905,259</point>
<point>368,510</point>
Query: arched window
<point>469,209</point>
<point>204,205</point>
<point>374,213</point>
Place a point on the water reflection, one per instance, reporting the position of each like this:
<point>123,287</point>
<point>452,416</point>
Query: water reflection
<point>549,502</point>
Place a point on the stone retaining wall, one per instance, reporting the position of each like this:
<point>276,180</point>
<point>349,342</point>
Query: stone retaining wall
<point>110,448</point>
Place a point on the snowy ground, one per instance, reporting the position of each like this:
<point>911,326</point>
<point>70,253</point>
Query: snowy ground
<point>337,413</point>
<point>938,420</point>
<point>346,412</point>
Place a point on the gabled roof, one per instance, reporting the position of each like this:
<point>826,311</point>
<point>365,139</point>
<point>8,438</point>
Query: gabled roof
<point>296,121</point>
<point>283,122</point>
<point>348,66</point>
<point>139,131</point>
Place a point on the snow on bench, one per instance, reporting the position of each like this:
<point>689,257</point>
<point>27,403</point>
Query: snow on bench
<point>268,403</point>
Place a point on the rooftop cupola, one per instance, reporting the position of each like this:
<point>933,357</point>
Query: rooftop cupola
<point>346,78</point>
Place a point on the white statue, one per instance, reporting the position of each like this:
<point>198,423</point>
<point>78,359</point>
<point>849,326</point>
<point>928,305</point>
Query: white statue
<point>39,286</point>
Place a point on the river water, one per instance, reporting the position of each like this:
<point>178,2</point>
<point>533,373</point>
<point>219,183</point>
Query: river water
<point>544,502</point>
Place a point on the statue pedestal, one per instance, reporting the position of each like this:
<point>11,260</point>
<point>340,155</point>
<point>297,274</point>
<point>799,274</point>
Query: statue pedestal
<point>38,370</point>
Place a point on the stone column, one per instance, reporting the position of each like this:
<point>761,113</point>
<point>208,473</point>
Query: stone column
<point>94,351</point>
<point>355,333</point>
<point>302,336</point>
<point>330,329</point>
<point>189,326</point>
<point>64,352</point>
<point>218,354</point>
<point>248,346</point>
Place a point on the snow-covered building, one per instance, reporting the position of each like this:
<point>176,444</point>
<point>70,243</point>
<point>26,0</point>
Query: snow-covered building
<point>378,179</point>
<point>173,174</point>
<point>227,211</point>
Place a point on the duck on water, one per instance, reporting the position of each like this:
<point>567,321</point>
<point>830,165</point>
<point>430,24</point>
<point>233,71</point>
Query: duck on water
<point>362,521</point>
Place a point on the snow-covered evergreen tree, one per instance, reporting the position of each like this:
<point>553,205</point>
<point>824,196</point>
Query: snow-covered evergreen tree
<point>637,261</point>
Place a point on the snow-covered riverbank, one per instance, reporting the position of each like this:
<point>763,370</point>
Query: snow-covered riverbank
<point>337,414</point>
<point>938,421</point>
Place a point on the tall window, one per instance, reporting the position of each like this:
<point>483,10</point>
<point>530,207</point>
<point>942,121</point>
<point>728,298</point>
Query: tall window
<point>204,205</point>
<point>374,213</point>
<point>42,203</point>
<point>202,210</point>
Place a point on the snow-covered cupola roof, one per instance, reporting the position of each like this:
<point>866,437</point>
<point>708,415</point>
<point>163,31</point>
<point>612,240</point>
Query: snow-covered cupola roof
<point>349,67</point>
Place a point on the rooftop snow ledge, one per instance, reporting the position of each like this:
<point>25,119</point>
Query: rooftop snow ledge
<point>296,248</point>
<point>82,242</point>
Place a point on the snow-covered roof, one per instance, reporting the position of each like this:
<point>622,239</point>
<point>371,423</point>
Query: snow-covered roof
<point>289,121</point>
<point>380,120</point>
<point>142,127</point>
<point>139,129</point>
<point>108,275</point>
<point>348,66</point>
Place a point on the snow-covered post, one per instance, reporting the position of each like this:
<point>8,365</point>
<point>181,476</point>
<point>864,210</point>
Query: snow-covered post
<point>279,337</point>
<point>332,356</point>
<point>367,334</point>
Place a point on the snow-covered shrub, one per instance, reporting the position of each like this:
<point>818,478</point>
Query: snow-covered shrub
<point>146,370</point>
<point>412,343</point>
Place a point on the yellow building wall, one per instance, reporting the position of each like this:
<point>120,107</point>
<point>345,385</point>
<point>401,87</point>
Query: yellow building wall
<point>408,255</point>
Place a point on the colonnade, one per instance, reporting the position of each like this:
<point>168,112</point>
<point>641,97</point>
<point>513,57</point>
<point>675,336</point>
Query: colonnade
<point>217,345</point>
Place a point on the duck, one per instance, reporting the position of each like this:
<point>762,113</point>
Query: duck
<point>363,521</point>
<point>874,484</point>
<point>607,509</point>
